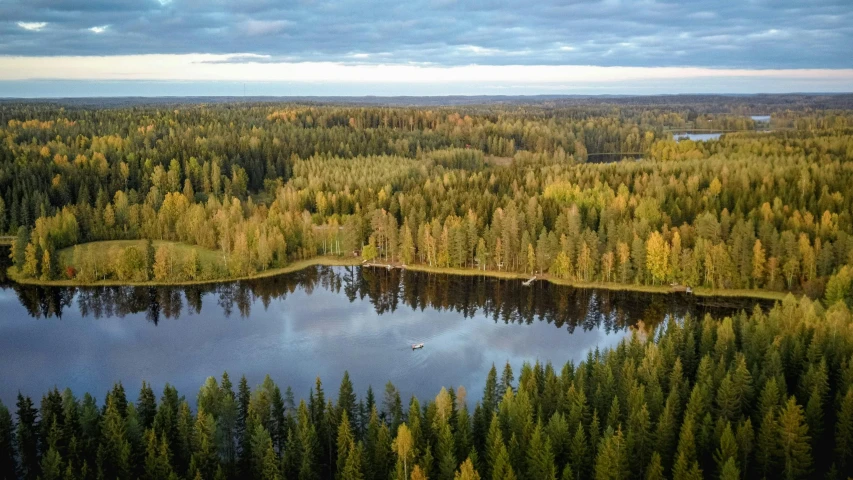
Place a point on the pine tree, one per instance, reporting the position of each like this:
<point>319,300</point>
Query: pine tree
<point>114,451</point>
<point>8,463</point>
<point>728,448</point>
<point>51,463</point>
<point>745,437</point>
<point>501,467</point>
<point>345,440</point>
<point>204,459</point>
<point>766,442</point>
<point>686,465</point>
<point>462,432</point>
<point>27,437</point>
<point>243,434</point>
<point>157,455</point>
<point>491,395</point>
<point>611,463</point>
<point>308,444</point>
<point>466,471</point>
<point>269,467</point>
<point>654,470</point>
<point>353,467</point>
<point>843,433</point>
<point>729,471</point>
<point>346,397</point>
<point>540,457</point>
<point>578,452</point>
<point>793,440</point>
<point>146,405</point>
<point>445,450</point>
<point>19,248</point>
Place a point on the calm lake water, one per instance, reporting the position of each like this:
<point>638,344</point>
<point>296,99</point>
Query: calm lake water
<point>316,322</point>
<point>696,137</point>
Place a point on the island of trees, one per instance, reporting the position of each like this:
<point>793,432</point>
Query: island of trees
<point>760,395</point>
<point>176,193</point>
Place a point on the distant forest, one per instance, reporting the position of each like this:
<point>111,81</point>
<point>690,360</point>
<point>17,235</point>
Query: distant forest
<point>760,395</point>
<point>576,188</point>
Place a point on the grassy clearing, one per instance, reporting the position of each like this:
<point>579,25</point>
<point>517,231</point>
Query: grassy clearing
<point>206,257</point>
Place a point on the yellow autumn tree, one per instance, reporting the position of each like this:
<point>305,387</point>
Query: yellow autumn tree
<point>657,257</point>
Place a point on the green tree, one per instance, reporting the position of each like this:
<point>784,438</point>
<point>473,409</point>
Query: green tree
<point>157,455</point>
<point>540,457</point>
<point>114,451</point>
<point>8,462</point>
<point>793,438</point>
<point>612,459</point>
<point>27,437</point>
<point>344,443</point>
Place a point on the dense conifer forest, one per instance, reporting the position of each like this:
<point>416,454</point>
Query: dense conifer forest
<point>572,189</point>
<point>767,394</point>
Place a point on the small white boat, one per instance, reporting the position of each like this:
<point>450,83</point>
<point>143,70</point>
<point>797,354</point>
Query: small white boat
<point>528,282</point>
<point>416,346</point>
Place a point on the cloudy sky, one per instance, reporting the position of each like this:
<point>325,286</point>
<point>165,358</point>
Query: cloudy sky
<point>422,47</point>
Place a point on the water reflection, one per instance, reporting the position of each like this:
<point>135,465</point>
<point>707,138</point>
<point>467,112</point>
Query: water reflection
<point>504,301</point>
<point>315,322</point>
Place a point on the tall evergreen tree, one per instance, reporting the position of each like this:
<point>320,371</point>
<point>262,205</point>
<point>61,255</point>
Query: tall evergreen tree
<point>27,437</point>
<point>793,438</point>
<point>8,463</point>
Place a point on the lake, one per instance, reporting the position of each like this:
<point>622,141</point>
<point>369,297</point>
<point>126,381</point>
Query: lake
<point>316,322</point>
<point>696,137</point>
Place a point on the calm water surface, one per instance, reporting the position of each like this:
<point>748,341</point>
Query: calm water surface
<point>316,322</point>
<point>697,137</point>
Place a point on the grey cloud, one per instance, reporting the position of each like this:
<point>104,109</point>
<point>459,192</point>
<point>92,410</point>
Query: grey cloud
<point>757,34</point>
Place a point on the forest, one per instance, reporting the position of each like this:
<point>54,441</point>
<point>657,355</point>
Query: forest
<point>766,394</point>
<point>584,192</point>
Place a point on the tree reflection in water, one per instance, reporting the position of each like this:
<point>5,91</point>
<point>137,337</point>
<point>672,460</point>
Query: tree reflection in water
<point>505,301</point>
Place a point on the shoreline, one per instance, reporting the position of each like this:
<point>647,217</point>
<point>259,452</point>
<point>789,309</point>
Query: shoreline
<point>329,261</point>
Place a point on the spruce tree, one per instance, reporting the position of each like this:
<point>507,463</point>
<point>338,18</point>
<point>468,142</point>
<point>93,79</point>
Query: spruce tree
<point>654,470</point>
<point>114,451</point>
<point>843,433</point>
<point>794,441</point>
<point>146,405</point>
<point>353,469</point>
<point>157,455</point>
<point>346,397</point>
<point>540,457</point>
<point>27,437</point>
<point>344,441</point>
<point>8,463</point>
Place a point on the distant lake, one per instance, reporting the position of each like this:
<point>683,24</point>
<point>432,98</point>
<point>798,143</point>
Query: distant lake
<point>316,322</point>
<point>696,137</point>
<point>760,118</point>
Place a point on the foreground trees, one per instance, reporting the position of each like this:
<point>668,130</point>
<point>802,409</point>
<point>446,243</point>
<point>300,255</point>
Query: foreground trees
<point>767,394</point>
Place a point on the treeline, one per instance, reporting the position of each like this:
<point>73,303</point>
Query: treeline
<point>761,395</point>
<point>768,210</point>
<point>504,301</point>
